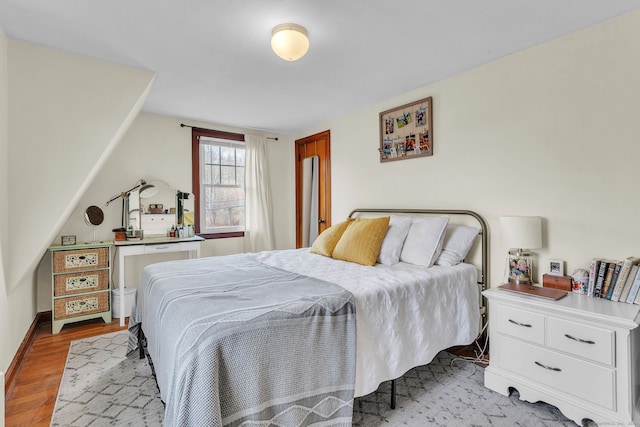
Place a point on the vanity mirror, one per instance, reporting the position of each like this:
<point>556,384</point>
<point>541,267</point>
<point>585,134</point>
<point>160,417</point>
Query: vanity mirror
<point>156,207</point>
<point>93,217</point>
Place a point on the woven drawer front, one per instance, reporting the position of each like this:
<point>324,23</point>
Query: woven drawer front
<point>66,308</point>
<point>77,283</point>
<point>80,259</point>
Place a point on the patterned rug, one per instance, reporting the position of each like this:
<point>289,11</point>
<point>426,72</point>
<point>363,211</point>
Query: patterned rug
<point>101,386</point>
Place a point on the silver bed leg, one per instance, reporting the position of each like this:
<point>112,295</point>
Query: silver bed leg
<point>393,394</point>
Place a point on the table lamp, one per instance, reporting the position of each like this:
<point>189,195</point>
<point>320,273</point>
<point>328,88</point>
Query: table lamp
<point>520,234</point>
<point>145,190</point>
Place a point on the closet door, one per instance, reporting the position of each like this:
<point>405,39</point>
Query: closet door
<point>313,187</point>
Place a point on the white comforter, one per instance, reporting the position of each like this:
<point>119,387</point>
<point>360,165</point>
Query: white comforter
<point>405,314</point>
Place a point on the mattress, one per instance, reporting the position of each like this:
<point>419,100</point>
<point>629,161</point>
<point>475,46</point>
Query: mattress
<point>405,314</point>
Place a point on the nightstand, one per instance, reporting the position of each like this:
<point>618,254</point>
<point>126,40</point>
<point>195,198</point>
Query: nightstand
<point>578,353</point>
<point>81,283</point>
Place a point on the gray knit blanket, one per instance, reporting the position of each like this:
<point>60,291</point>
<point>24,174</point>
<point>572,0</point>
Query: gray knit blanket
<point>235,342</point>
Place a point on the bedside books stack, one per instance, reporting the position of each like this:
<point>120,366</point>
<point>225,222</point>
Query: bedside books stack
<point>615,280</point>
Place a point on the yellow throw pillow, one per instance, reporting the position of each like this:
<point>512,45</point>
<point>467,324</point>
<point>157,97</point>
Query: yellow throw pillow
<point>328,239</point>
<point>362,240</point>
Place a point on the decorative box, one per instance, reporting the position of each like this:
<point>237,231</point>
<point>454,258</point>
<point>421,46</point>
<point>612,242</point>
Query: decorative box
<point>556,282</point>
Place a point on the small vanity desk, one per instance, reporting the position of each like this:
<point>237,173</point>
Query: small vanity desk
<point>152,245</point>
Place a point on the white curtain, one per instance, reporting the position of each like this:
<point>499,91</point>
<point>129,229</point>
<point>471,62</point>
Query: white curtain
<point>258,220</point>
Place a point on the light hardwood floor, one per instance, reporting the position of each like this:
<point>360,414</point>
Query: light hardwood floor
<point>31,399</point>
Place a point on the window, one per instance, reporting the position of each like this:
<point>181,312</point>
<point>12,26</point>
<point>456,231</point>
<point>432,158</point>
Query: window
<point>218,176</point>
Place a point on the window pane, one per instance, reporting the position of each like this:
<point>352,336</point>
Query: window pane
<point>237,216</point>
<point>215,154</point>
<point>227,175</point>
<point>240,156</point>
<point>224,207</point>
<point>240,176</point>
<point>211,175</point>
<point>211,154</point>
<point>206,175</point>
<point>215,175</point>
<point>228,156</point>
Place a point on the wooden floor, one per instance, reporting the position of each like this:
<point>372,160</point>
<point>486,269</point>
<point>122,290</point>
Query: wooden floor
<point>31,399</point>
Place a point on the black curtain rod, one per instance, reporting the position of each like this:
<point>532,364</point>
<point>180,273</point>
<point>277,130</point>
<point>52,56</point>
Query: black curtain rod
<point>182,125</point>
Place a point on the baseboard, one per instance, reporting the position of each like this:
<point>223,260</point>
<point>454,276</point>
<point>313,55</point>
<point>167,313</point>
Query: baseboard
<point>16,363</point>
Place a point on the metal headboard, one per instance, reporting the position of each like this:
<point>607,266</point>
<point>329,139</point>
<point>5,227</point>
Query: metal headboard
<point>484,273</point>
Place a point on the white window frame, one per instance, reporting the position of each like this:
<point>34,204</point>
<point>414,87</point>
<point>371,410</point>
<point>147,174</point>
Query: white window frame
<point>203,141</point>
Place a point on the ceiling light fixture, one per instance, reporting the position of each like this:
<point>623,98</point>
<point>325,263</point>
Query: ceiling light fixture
<point>290,41</point>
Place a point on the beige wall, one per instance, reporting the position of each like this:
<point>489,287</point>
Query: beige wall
<point>550,131</point>
<point>156,147</point>
<point>65,114</point>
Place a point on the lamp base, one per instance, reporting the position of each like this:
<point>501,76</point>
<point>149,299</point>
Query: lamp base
<point>519,281</point>
<point>520,266</point>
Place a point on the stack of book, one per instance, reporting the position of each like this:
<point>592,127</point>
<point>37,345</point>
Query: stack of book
<point>615,280</point>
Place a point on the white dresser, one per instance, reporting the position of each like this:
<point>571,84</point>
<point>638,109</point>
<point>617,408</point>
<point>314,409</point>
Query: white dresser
<point>578,353</point>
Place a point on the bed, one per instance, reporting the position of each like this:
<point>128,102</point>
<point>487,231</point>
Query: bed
<point>290,337</point>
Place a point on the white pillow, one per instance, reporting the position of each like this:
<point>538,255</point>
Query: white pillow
<point>393,241</point>
<point>424,241</point>
<point>458,240</point>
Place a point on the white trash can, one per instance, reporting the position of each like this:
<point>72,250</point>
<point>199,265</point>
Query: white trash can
<point>129,299</point>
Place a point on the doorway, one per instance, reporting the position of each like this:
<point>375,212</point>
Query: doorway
<point>313,187</point>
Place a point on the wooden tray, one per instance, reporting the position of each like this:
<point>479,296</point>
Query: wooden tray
<point>536,291</point>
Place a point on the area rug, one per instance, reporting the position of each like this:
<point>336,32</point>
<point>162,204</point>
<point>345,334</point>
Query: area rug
<point>101,386</point>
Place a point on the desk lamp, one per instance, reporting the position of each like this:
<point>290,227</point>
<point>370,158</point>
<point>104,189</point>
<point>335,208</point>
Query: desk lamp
<point>520,234</point>
<point>148,190</point>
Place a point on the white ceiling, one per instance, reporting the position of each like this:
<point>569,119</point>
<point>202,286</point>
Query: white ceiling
<point>214,62</point>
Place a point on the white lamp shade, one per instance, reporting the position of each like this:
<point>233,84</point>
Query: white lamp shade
<point>523,232</point>
<point>290,41</point>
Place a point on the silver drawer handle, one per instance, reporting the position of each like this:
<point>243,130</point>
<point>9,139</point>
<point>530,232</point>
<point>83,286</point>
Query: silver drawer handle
<point>159,248</point>
<point>579,340</point>
<point>526,325</point>
<point>548,367</point>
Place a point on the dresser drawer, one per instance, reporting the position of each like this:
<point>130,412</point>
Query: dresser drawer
<point>69,307</point>
<point>585,341</point>
<point>80,259</point>
<point>166,247</point>
<point>518,323</point>
<point>587,381</point>
<point>77,283</point>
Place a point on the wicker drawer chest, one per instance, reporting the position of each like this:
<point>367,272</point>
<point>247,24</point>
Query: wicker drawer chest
<point>81,283</point>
